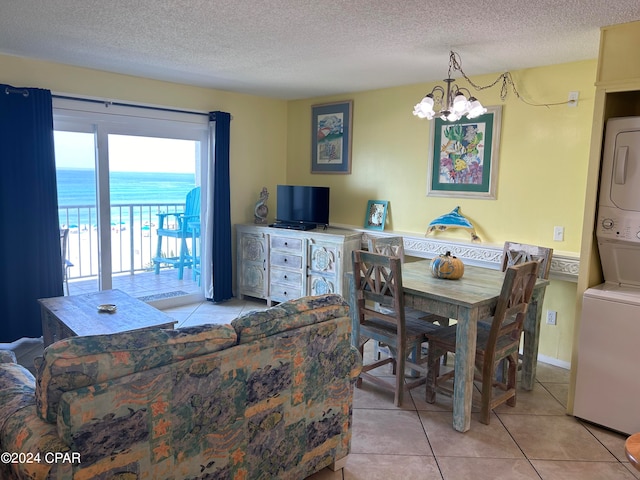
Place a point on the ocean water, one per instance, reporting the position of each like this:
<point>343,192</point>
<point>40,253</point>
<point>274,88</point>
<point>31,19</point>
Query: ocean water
<point>77,187</point>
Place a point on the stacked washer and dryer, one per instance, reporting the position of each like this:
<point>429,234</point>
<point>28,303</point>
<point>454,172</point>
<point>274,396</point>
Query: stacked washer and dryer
<point>608,373</point>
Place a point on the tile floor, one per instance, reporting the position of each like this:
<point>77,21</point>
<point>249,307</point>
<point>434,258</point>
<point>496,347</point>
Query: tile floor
<point>534,440</point>
<point>141,284</point>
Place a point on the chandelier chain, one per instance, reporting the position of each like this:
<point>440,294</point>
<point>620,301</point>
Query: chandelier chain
<point>455,63</point>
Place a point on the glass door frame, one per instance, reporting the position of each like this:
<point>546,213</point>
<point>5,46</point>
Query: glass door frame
<point>103,119</point>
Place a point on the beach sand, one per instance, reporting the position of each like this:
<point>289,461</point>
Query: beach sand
<point>131,248</point>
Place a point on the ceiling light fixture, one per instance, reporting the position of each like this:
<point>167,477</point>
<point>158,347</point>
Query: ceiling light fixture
<point>451,100</point>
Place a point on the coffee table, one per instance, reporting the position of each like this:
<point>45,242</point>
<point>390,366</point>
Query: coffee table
<point>78,315</point>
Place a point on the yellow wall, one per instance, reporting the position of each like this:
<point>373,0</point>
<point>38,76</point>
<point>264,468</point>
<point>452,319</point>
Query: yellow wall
<point>258,130</point>
<point>542,166</point>
<point>542,169</point>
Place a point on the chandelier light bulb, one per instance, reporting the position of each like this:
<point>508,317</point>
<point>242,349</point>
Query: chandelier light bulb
<point>417,111</point>
<point>475,108</point>
<point>427,101</point>
<point>460,104</point>
<point>450,116</point>
<point>424,109</point>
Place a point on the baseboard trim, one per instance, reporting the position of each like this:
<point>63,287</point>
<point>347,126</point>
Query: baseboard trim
<point>555,362</point>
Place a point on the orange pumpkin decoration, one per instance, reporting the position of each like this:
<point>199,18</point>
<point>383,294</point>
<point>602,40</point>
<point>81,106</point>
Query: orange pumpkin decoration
<point>447,266</point>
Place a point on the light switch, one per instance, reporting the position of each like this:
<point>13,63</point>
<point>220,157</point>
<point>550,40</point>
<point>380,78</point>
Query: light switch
<point>558,234</point>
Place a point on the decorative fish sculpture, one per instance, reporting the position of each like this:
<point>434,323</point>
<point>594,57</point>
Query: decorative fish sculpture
<point>453,219</point>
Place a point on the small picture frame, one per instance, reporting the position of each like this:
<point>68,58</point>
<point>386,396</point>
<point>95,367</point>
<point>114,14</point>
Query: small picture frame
<point>376,214</point>
<point>331,137</point>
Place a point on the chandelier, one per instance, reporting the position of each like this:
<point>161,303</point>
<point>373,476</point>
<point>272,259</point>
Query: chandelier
<point>453,101</point>
<point>453,104</point>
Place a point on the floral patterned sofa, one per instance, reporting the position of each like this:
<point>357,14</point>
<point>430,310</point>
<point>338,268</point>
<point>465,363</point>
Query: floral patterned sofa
<point>269,396</point>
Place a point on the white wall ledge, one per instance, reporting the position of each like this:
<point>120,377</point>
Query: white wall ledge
<point>563,266</point>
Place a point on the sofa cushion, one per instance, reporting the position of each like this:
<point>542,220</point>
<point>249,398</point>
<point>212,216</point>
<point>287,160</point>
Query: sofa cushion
<point>289,315</point>
<point>81,361</point>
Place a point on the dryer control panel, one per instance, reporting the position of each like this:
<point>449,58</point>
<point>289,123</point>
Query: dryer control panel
<point>614,223</point>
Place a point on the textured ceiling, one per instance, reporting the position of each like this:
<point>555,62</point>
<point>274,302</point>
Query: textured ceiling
<point>300,48</point>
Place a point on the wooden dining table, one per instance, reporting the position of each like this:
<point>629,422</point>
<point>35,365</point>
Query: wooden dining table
<point>469,299</point>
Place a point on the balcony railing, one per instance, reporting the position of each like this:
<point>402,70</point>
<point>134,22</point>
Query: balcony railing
<point>133,237</point>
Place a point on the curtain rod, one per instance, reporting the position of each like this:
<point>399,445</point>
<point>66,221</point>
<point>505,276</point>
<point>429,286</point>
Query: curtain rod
<point>23,91</point>
<point>108,103</point>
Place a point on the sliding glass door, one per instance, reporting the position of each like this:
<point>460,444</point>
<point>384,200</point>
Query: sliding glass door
<point>115,174</point>
<point>77,201</point>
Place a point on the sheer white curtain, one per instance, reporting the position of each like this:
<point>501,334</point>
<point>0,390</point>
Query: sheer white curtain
<point>206,232</point>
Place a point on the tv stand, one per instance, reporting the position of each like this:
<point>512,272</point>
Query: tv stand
<point>280,263</point>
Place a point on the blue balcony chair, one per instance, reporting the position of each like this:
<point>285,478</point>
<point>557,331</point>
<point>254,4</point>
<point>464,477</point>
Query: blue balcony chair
<point>182,230</point>
<point>195,233</point>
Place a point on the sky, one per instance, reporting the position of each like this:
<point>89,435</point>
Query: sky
<point>127,153</point>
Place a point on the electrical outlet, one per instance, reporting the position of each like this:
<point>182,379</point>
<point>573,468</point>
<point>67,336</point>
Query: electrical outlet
<point>558,234</point>
<point>573,99</point>
<point>552,317</point>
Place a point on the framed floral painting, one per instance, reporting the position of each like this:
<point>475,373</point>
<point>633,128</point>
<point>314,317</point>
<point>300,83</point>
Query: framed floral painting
<point>463,158</point>
<point>331,137</point>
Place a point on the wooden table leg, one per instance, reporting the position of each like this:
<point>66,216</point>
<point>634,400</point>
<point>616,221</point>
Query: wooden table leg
<point>464,366</point>
<point>531,340</point>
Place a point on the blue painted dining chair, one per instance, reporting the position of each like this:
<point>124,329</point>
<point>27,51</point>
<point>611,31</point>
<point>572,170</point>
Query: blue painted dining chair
<point>181,230</point>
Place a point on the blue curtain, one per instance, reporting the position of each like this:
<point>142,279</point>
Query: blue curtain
<point>221,256</point>
<point>31,266</point>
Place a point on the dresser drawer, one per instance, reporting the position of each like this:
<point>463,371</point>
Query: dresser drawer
<point>286,277</point>
<point>285,260</point>
<point>286,243</point>
<point>282,293</point>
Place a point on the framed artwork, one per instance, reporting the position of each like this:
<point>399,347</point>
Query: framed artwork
<point>463,157</point>
<point>331,137</point>
<point>376,215</point>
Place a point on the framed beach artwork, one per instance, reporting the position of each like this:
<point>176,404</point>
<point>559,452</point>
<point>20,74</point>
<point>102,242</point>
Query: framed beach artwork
<point>331,137</point>
<point>376,214</point>
<point>463,157</point>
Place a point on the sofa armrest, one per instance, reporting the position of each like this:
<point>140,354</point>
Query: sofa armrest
<point>7,356</point>
<point>25,432</point>
<point>21,431</point>
<point>355,362</point>
<point>17,390</point>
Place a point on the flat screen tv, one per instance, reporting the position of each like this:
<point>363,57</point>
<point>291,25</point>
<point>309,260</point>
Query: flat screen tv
<point>302,207</point>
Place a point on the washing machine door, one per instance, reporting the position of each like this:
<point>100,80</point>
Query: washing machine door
<point>620,262</point>
<point>625,174</point>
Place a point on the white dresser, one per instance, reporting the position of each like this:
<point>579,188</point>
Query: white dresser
<point>280,264</point>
